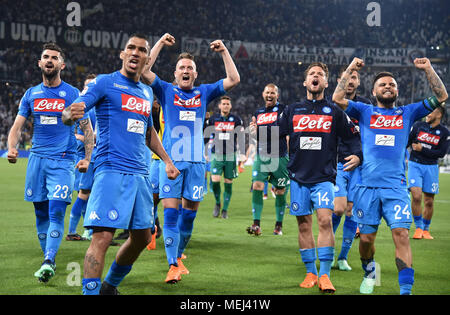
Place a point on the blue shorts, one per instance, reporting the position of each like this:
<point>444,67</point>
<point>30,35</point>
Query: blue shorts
<point>154,175</point>
<point>189,184</point>
<point>424,176</point>
<point>373,203</point>
<point>120,201</point>
<point>86,179</point>
<point>305,198</point>
<point>49,179</point>
<point>346,182</point>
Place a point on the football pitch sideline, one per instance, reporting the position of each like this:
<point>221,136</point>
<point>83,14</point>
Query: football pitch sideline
<point>221,257</point>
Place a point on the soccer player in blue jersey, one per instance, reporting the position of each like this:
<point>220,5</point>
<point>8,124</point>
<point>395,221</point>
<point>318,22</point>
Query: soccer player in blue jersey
<point>223,130</point>
<point>383,192</point>
<point>346,183</point>
<point>50,171</point>
<point>314,127</point>
<point>184,108</point>
<point>83,184</point>
<point>121,197</point>
<point>429,140</point>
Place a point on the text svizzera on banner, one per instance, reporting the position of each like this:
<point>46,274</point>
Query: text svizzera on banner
<point>392,57</point>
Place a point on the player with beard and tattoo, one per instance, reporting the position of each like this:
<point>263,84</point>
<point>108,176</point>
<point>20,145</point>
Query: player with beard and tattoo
<point>50,172</point>
<point>383,193</point>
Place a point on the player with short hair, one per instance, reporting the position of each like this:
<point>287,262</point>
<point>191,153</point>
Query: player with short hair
<point>346,182</point>
<point>383,192</point>
<point>184,107</point>
<point>271,159</point>
<point>314,127</point>
<point>224,130</point>
<point>51,164</point>
<point>429,140</point>
<point>121,195</point>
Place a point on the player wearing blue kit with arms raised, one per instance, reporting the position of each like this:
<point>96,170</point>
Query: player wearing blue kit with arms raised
<point>51,165</point>
<point>121,196</point>
<point>314,127</point>
<point>184,108</point>
<point>383,192</point>
<point>429,141</point>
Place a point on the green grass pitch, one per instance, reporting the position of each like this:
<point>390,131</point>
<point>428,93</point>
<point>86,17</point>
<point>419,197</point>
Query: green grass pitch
<point>222,258</point>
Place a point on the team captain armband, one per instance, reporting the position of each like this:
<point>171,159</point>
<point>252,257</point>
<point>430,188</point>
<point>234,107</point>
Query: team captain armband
<point>432,103</point>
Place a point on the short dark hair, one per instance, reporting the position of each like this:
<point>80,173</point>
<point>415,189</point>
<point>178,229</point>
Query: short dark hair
<point>185,55</point>
<point>381,75</point>
<point>139,35</point>
<point>90,76</point>
<point>317,64</point>
<point>225,97</point>
<point>53,46</point>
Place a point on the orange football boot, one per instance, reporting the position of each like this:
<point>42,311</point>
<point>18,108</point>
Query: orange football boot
<point>418,234</point>
<point>310,280</point>
<point>183,269</point>
<point>174,274</point>
<point>427,235</point>
<point>325,284</point>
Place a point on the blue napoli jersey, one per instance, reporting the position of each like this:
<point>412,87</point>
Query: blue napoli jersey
<point>435,142</point>
<point>384,136</point>
<point>314,129</point>
<point>184,115</point>
<point>123,112</point>
<point>51,138</point>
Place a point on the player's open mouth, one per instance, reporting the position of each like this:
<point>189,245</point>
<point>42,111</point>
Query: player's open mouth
<point>185,78</point>
<point>49,66</point>
<point>315,82</point>
<point>133,63</point>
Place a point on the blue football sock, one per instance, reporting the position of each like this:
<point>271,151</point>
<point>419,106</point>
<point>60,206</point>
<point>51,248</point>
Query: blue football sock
<point>426,224</point>
<point>418,221</point>
<point>368,266</point>
<point>336,219</point>
<point>91,286</point>
<point>349,231</point>
<point>171,234</point>
<point>75,214</point>
<point>57,210</point>
<point>116,273</point>
<point>406,280</point>
<point>309,259</point>
<point>185,225</point>
<point>325,255</point>
<point>42,222</point>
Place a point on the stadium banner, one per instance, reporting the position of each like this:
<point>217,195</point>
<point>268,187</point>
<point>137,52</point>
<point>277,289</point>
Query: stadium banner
<point>75,36</point>
<point>384,57</point>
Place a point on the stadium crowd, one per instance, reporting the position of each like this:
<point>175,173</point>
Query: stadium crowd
<point>277,22</point>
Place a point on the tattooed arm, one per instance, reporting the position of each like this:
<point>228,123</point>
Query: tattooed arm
<point>339,92</point>
<point>86,127</point>
<point>436,84</point>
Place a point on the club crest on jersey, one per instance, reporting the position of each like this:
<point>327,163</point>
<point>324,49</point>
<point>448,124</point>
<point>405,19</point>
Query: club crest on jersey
<point>224,126</point>
<point>428,138</point>
<point>189,103</point>
<point>49,105</point>
<point>266,118</point>
<point>386,122</point>
<point>312,123</point>
<point>136,105</point>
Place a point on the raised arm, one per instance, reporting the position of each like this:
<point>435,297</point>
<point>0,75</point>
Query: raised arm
<point>13,138</point>
<point>339,92</point>
<point>436,84</point>
<point>233,77</point>
<point>148,76</point>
